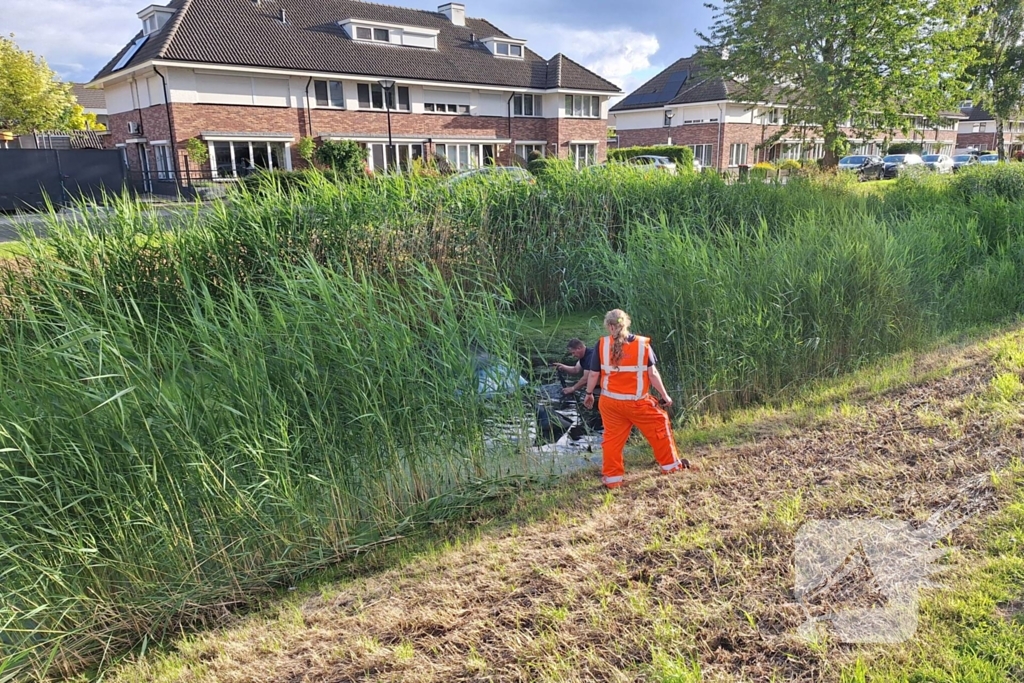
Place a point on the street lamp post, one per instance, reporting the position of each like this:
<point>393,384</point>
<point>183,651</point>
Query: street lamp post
<point>669,114</point>
<point>386,85</point>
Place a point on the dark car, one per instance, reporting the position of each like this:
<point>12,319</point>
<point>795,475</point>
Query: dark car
<point>866,167</point>
<point>896,164</point>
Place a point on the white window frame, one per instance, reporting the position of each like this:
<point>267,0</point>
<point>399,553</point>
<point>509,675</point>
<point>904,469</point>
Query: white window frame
<point>446,108</point>
<point>373,34</point>
<point>396,104</point>
<point>400,147</point>
<point>666,119</point>
<point>251,144</point>
<point>331,104</point>
<point>582,107</point>
<point>738,153</point>
<point>583,154</point>
<point>704,154</point>
<point>536,105</point>
<point>511,50</point>
<point>162,153</point>
<point>525,149</point>
<point>467,154</point>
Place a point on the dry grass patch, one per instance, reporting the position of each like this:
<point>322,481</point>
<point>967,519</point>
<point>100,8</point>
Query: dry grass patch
<point>680,578</point>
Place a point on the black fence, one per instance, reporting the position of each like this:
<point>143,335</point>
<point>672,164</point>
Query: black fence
<point>31,177</point>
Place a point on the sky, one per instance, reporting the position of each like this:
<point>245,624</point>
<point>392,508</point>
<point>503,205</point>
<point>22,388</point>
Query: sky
<point>625,43</point>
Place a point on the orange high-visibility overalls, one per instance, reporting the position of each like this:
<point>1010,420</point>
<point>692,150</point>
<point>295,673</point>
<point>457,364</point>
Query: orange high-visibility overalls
<point>627,403</point>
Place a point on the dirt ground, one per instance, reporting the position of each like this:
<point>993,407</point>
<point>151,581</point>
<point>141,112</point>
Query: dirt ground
<point>672,578</point>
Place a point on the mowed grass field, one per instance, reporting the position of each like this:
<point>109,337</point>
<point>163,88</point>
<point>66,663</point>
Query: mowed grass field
<point>197,415</point>
<point>686,578</point>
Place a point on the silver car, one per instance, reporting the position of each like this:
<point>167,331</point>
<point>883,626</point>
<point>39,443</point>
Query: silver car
<point>654,162</point>
<point>940,163</point>
<point>988,159</point>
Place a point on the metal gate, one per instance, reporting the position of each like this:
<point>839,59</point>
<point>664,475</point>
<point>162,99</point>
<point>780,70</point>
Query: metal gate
<point>29,176</point>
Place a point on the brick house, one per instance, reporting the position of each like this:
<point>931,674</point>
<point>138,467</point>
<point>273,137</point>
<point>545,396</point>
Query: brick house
<point>684,106</point>
<point>978,131</point>
<point>250,78</point>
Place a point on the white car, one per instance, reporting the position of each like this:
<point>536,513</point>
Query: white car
<point>988,159</point>
<point>654,162</point>
<point>895,164</point>
<point>940,163</point>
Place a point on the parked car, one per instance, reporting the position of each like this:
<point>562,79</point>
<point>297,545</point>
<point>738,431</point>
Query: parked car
<point>895,164</point>
<point>654,162</point>
<point>940,163</point>
<point>512,173</point>
<point>963,161</point>
<point>988,159</point>
<point>865,166</point>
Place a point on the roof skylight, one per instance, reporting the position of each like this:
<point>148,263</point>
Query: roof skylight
<point>127,57</point>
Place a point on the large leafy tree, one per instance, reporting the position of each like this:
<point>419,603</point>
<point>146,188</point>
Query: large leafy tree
<point>31,95</point>
<point>999,71</point>
<point>869,62</point>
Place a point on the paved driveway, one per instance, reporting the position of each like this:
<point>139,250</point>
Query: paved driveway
<point>11,225</point>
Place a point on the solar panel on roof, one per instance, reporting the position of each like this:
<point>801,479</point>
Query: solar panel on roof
<point>127,57</point>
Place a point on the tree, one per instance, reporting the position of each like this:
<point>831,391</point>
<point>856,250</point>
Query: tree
<point>999,71</point>
<point>79,119</point>
<point>347,158</point>
<point>866,63</point>
<point>306,148</point>
<point>31,95</point>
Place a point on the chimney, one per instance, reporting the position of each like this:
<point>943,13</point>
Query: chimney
<point>455,11</point>
<point>284,16</point>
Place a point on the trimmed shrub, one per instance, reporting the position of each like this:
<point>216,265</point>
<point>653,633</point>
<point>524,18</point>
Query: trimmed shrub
<point>682,156</point>
<point>905,148</point>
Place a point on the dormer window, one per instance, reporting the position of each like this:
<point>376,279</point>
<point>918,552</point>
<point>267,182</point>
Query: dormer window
<point>154,17</point>
<point>506,47</point>
<point>364,30</point>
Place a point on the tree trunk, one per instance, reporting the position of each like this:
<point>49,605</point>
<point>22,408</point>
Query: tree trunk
<point>999,139</point>
<point>831,160</point>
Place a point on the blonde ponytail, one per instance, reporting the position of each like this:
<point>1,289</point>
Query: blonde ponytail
<point>619,322</point>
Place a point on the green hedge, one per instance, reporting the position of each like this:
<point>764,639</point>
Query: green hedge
<point>905,148</point>
<point>682,156</point>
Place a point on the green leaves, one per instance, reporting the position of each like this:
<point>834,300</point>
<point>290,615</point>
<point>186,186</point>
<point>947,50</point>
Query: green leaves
<point>31,95</point>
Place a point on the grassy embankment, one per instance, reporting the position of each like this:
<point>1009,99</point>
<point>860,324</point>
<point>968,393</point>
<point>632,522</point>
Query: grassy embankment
<point>686,579</point>
<point>187,424</point>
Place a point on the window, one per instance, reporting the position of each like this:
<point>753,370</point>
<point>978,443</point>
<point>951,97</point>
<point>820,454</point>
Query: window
<point>164,170</point>
<point>150,25</point>
<point>377,35</point>
<point>239,158</point>
<point>703,154</point>
<point>508,50</point>
<point>668,118</point>
<point>773,117</point>
<point>788,150</point>
<point>738,154</point>
<point>527,105</point>
<point>583,154</point>
<point>329,94</point>
<point>439,108</point>
<point>978,128</point>
<point>381,159</point>
<point>371,96</point>
<point>463,156</point>
<point>813,151</point>
<point>583,106</point>
<point>527,149</point>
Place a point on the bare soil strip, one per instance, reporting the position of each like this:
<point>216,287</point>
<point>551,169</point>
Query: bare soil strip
<point>687,568</point>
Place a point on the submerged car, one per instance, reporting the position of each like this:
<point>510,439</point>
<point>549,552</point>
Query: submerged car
<point>940,163</point>
<point>895,164</point>
<point>866,167</point>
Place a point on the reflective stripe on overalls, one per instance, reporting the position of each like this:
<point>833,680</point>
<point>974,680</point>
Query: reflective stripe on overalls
<point>639,370</point>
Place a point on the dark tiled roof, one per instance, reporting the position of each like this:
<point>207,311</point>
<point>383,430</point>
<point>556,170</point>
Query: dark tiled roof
<point>977,114</point>
<point>685,82</point>
<point>89,99</point>
<point>242,33</point>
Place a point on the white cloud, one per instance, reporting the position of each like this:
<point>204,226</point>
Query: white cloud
<point>615,54</point>
<point>76,37</point>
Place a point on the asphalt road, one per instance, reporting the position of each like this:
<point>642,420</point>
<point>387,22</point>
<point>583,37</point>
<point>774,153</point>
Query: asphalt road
<point>11,225</point>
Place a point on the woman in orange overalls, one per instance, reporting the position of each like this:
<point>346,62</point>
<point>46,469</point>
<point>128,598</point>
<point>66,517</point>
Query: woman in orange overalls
<point>625,366</point>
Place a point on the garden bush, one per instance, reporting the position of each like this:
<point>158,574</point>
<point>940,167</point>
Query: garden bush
<point>682,156</point>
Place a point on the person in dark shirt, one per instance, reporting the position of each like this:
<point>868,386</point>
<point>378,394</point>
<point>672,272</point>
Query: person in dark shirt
<point>584,360</point>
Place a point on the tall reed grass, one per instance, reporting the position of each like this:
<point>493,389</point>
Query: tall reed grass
<point>193,414</point>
